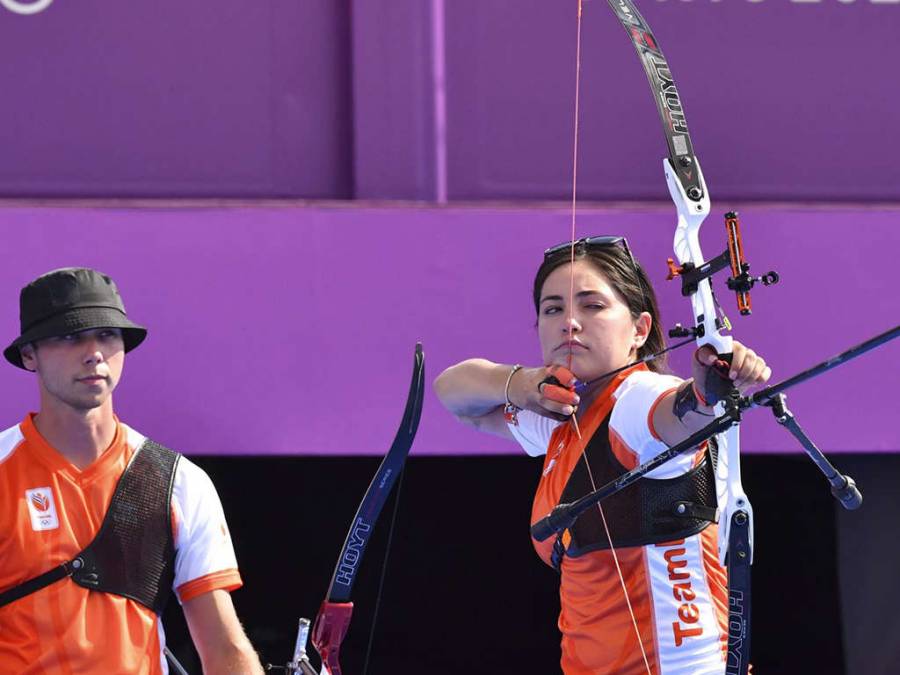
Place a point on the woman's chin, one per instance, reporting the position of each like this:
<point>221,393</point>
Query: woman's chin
<point>564,360</point>
<point>588,370</point>
<point>581,364</point>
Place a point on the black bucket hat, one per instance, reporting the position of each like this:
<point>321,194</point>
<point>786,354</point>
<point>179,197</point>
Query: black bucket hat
<point>67,301</point>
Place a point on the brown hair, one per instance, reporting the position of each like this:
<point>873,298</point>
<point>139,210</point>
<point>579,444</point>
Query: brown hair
<point>627,278</point>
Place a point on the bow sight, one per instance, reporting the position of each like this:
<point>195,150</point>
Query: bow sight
<point>740,280</point>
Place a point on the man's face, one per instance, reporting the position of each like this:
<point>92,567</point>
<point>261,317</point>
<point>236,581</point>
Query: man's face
<point>79,370</point>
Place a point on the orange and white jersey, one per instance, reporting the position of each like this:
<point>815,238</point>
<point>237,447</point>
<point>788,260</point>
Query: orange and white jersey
<point>677,589</point>
<point>49,511</point>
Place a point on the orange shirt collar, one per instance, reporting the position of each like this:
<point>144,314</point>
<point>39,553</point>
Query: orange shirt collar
<point>56,461</point>
<point>594,415</point>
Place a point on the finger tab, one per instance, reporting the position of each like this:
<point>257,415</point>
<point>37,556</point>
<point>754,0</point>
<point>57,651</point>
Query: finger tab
<point>560,394</point>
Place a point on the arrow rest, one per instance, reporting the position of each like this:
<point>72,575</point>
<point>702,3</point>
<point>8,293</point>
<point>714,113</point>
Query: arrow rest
<point>680,331</point>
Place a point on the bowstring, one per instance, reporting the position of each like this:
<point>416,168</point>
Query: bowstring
<point>615,558</point>
<point>383,575</point>
<point>571,317</point>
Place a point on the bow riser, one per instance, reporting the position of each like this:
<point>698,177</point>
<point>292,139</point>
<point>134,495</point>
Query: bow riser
<point>691,214</point>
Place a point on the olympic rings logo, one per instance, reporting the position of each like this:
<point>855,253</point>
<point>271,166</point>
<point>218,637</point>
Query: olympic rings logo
<point>26,7</point>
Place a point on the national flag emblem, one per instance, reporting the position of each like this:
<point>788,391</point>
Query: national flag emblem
<point>41,501</point>
<point>42,509</point>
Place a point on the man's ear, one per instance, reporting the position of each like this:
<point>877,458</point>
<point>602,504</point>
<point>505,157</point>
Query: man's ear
<point>28,356</point>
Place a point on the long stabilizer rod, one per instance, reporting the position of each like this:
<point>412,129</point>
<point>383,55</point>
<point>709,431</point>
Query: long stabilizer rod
<point>764,396</point>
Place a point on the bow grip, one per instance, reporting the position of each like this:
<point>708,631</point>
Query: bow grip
<point>717,385</point>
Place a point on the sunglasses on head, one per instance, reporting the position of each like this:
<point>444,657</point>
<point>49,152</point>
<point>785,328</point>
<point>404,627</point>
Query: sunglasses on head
<point>587,243</point>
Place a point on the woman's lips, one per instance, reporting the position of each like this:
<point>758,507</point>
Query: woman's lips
<point>571,346</point>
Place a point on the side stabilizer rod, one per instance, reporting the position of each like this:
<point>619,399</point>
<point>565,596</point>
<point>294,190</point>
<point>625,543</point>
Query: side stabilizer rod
<point>842,486</point>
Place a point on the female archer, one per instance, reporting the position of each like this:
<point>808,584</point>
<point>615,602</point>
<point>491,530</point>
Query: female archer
<point>641,588</point>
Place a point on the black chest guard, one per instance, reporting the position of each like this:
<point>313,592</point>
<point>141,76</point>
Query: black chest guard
<point>133,554</point>
<point>648,511</point>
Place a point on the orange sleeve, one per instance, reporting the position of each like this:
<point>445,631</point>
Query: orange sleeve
<point>626,456</point>
<point>701,449</point>
<point>227,580</point>
<point>653,410</point>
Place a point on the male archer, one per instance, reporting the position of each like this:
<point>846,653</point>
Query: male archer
<point>97,522</point>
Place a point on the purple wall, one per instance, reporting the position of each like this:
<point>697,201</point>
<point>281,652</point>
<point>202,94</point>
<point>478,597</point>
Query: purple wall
<point>324,99</point>
<point>393,104</point>
<point>290,330</point>
<point>167,98</point>
<point>784,100</point>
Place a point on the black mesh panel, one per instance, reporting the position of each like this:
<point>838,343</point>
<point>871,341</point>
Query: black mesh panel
<point>133,555</point>
<point>644,512</point>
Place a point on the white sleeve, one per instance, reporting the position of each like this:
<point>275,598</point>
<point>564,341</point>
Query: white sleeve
<point>202,541</point>
<point>631,420</point>
<point>533,432</point>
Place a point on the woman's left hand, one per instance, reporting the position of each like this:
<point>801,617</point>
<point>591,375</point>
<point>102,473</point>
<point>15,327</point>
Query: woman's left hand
<point>747,370</point>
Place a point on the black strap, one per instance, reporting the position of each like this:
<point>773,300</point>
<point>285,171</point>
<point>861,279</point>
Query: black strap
<point>697,511</point>
<point>35,584</point>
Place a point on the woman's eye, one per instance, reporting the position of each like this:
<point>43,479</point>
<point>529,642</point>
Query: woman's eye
<point>552,309</point>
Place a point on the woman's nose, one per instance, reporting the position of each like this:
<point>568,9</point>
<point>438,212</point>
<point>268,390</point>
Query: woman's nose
<point>571,324</point>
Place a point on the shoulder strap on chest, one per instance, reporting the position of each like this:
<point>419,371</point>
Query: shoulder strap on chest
<point>133,554</point>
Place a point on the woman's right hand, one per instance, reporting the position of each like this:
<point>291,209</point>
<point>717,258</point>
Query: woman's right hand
<point>547,391</point>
